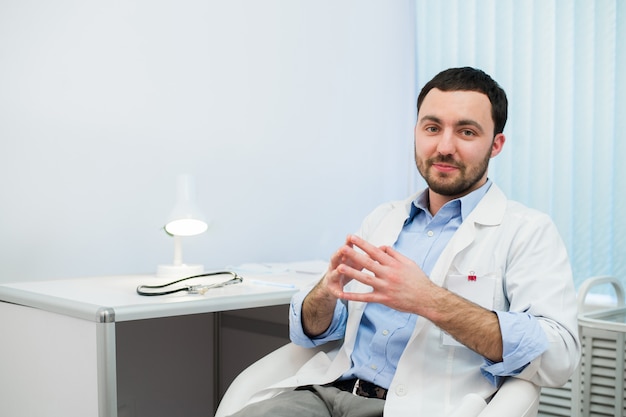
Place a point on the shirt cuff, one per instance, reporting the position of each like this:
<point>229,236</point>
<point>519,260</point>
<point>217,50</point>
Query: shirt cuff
<point>523,340</point>
<point>296,332</point>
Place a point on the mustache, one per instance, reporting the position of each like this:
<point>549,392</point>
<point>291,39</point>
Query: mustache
<point>445,159</point>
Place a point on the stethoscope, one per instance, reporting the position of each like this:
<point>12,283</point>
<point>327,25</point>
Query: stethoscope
<point>151,290</point>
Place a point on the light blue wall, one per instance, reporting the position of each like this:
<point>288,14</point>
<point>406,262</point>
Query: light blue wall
<point>294,117</point>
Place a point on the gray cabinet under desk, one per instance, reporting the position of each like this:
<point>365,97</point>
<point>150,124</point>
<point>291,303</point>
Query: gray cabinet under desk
<point>183,365</point>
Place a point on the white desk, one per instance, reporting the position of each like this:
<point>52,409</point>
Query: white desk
<point>58,350</point>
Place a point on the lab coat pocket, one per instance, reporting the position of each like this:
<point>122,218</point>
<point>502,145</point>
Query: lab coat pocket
<point>479,289</point>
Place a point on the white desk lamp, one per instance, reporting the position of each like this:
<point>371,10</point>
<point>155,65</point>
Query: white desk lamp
<point>185,220</point>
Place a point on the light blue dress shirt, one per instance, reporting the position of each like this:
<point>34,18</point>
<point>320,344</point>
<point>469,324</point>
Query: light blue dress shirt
<point>384,332</point>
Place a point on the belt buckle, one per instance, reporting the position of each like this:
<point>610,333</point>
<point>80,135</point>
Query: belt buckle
<point>357,384</point>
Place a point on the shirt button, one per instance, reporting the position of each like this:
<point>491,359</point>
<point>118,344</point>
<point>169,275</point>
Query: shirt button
<point>373,366</point>
<point>401,390</point>
<point>430,233</point>
<point>385,332</point>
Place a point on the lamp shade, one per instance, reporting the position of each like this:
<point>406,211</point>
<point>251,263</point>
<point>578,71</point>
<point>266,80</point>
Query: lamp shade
<point>186,218</point>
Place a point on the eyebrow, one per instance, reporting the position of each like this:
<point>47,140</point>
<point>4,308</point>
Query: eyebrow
<point>463,122</point>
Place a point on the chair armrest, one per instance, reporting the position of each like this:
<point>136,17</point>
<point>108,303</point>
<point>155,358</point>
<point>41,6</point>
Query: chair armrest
<point>270,369</point>
<point>516,397</point>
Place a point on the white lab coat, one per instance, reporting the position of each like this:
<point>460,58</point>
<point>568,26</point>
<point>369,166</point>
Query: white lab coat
<point>521,250</point>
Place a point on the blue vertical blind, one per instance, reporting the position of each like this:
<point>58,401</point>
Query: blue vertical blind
<point>563,66</point>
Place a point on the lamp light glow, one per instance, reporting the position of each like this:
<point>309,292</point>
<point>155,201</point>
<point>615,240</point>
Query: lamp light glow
<point>186,227</point>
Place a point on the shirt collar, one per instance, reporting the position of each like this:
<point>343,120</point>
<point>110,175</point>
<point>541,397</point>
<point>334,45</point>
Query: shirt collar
<point>467,202</point>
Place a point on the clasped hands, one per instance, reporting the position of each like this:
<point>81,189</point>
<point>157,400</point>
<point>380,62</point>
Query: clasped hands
<point>396,280</point>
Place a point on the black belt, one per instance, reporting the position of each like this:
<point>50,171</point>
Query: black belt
<point>361,388</point>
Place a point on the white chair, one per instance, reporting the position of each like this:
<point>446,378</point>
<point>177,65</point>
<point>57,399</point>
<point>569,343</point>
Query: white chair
<point>516,397</point>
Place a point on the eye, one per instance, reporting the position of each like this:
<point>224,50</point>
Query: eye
<point>468,133</point>
<point>431,129</point>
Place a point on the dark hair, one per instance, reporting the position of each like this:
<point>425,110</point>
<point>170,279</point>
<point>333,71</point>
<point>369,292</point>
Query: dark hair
<point>471,79</point>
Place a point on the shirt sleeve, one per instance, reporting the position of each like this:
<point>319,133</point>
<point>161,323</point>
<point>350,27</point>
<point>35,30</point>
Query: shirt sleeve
<point>523,340</point>
<point>335,331</point>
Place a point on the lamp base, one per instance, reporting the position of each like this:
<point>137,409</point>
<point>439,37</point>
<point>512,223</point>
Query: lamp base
<point>179,271</point>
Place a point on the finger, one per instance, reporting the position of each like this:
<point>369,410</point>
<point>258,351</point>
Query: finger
<point>338,257</point>
<point>334,281</point>
<point>372,251</point>
<point>356,274</point>
<point>395,254</point>
<point>366,297</point>
<point>359,260</point>
<point>335,259</point>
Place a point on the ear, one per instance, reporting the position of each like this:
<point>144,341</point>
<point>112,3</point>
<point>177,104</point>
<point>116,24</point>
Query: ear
<point>498,143</point>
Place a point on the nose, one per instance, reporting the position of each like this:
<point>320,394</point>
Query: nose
<point>446,144</point>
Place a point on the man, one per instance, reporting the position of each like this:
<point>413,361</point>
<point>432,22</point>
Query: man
<point>443,294</point>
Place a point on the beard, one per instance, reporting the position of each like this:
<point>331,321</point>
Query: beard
<point>452,184</point>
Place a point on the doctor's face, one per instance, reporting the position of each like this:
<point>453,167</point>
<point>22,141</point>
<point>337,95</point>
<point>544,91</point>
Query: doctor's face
<point>454,141</point>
